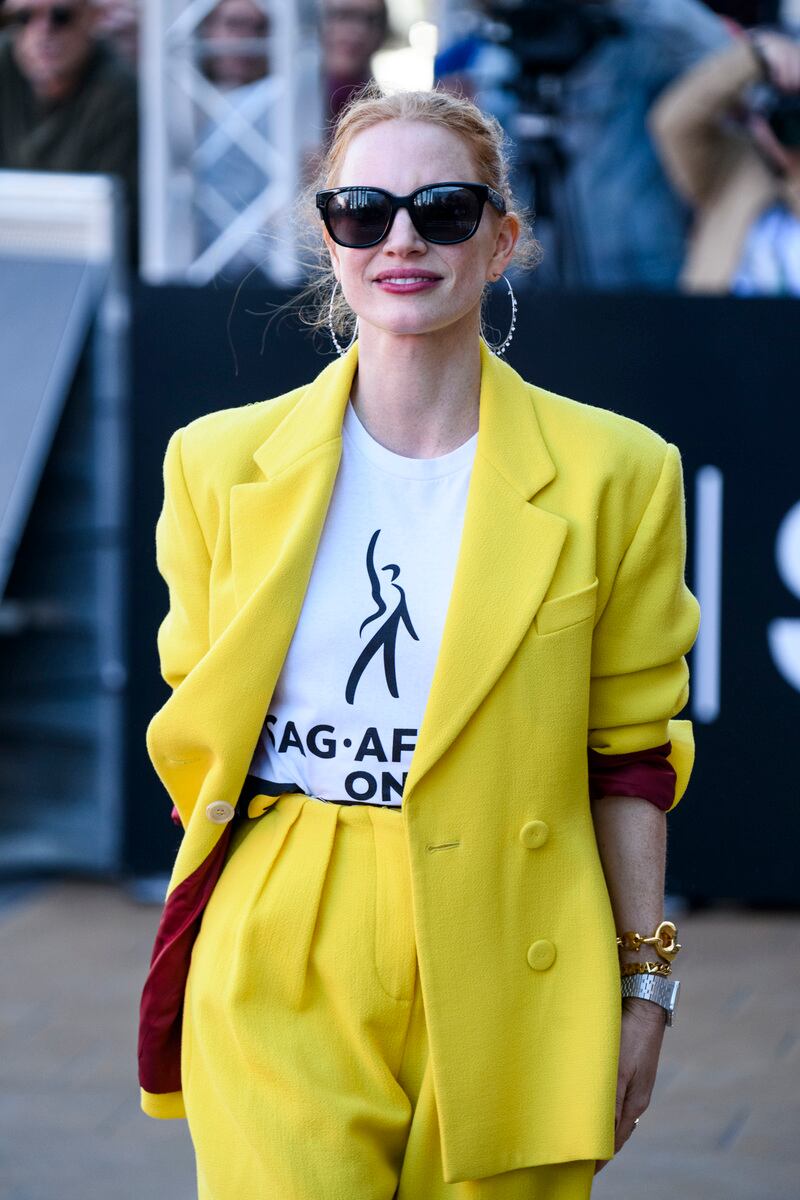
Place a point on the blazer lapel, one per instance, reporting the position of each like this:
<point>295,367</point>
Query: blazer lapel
<point>202,740</point>
<point>277,520</point>
<point>508,554</point>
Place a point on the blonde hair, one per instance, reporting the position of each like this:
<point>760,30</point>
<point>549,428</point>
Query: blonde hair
<point>488,145</point>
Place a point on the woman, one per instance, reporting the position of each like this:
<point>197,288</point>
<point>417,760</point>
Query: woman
<point>405,602</point>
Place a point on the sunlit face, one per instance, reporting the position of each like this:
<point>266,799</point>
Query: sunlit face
<point>54,43</point>
<point>401,156</point>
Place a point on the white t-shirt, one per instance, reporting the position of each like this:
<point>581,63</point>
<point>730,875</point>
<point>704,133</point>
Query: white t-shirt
<point>343,719</point>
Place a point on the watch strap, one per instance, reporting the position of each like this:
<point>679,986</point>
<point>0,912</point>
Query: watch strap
<point>663,992</point>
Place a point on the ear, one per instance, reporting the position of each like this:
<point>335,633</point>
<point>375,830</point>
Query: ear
<point>507,236</point>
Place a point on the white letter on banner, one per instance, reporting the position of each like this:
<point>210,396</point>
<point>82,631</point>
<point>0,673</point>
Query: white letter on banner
<point>783,634</point>
<point>708,589</point>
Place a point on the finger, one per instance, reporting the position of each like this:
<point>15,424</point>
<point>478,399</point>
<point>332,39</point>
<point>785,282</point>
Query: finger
<point>623,1083</point>
<point>624,1127</point>
<point>635,1105</point>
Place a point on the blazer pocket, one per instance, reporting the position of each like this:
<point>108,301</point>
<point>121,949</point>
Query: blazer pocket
<point>563,611</point>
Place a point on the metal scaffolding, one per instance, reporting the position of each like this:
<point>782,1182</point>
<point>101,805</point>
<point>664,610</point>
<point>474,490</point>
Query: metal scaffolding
<point>221,170</point>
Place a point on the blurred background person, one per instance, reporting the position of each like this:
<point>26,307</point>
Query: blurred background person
<point>67,101</point>
<point>231,175</point>
<point>117,22</point>
<point>574,83</point>
<point>233,51</point>
<point>351,32</point>
<point>234,44</point>
<point>738,166</point>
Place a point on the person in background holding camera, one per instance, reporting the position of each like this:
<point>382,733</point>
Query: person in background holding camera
<point>67,102</point>
<point>621,222</point>
<point>738,166</point>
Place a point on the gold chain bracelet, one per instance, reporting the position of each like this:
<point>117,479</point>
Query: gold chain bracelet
<point>646,968</point>
<point>664,941</point>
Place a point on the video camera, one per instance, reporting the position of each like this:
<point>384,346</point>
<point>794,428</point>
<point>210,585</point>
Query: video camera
<point>548,37</point>
<point>783,115</point>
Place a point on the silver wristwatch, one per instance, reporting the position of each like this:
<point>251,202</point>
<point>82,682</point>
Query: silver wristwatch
<point>653,987</point>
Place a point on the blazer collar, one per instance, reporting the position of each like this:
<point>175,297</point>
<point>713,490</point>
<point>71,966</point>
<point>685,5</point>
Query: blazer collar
<point>509,436</point>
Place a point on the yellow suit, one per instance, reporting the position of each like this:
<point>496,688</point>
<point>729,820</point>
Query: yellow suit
<point>568,624</point>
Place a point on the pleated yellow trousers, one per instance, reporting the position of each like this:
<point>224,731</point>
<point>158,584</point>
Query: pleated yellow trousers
<point>305,1059</point>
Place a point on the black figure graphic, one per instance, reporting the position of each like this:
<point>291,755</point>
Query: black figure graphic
<point>386,635</point>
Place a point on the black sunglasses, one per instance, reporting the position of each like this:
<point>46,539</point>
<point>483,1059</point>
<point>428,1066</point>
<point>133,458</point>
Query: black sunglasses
<point>59,16</point>
<point>442,213</point>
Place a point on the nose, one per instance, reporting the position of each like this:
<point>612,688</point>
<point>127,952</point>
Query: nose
<point>403,238</point>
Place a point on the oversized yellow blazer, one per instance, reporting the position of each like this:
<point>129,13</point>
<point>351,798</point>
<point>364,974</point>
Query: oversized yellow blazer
<point>567,626</point>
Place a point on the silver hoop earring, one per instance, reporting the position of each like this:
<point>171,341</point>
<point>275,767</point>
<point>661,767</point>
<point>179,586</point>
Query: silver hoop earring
<point>340,348</point>
<point>503,346</point>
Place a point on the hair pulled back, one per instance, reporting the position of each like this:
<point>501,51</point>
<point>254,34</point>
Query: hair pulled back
<point>488,146</point>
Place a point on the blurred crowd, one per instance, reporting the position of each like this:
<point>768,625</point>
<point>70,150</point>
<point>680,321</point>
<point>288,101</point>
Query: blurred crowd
<point>657,142</point>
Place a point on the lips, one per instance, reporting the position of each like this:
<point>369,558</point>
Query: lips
<point>403,275</point>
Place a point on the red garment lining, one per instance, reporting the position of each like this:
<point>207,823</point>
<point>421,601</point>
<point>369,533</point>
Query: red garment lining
<point>161,1010</point>
<point>645,773</point>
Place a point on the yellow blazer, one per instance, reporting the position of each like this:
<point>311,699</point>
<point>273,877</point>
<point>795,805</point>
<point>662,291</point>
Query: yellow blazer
<point>567,626</point>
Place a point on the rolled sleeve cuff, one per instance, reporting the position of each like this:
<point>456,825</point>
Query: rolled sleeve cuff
<point>166,1106</point>
<point>644,773</point>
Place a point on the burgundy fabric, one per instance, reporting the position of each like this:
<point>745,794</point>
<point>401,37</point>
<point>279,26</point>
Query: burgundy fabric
<point>175,816</point>
<point>645,773</point>
<point>161,1009</point>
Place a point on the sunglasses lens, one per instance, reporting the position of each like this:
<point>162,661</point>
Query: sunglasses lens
<point>61,16</point>
<point>358,216</point>
<point>446,214</point>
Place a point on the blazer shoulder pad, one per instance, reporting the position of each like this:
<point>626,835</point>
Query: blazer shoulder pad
<point>220,444</point>
<point>616,443</point>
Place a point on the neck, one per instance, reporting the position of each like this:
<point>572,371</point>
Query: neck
<point>54,90</point>
<point>418,394</point>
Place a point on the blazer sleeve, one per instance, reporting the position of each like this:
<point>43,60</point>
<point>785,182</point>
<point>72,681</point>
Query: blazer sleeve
<point>639,676</point>
<point>185,565</point>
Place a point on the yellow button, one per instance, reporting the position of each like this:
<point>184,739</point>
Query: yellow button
<point>220,812</point>
<point>541,955</point>
<point>534,834</point>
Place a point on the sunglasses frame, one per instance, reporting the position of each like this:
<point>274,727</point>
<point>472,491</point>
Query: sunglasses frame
<point>481,191</point>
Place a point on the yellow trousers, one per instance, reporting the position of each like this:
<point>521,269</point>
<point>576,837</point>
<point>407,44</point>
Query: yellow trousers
<point>305,1061</point>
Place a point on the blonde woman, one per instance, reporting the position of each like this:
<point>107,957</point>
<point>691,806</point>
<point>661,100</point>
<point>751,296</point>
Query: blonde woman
<point>426,637</point>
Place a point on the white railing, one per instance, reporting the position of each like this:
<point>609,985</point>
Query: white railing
<point>221,170</point>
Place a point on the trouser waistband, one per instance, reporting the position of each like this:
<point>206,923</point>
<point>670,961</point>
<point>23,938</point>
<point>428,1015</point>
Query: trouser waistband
<point>255,786</point>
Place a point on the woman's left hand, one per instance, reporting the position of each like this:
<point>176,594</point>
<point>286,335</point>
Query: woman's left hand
<point>642,1033</point>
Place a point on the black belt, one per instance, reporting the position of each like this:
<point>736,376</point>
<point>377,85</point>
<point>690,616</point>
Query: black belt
<point>255,786</point>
